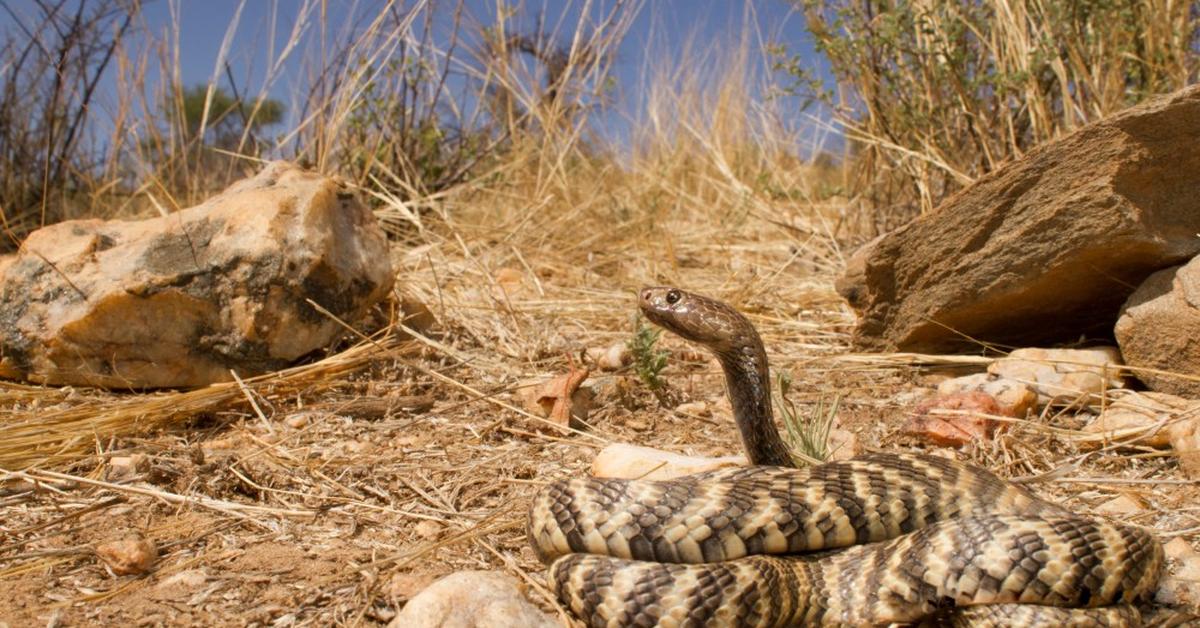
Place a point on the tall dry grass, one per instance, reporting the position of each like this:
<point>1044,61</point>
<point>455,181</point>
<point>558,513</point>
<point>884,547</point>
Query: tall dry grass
<point>476,143</point>
<point>936,94</point>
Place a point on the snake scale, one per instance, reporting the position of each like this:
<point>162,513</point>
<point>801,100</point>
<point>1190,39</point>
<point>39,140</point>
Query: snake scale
<point>917,538</point>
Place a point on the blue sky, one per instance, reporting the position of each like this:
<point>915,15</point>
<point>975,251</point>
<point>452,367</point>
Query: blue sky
<point>660,31</point>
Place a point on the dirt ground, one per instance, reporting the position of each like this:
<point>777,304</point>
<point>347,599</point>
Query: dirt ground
<point>352,492</point>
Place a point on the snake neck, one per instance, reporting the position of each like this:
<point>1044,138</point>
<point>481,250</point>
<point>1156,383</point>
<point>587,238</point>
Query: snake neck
<point>747,379</point>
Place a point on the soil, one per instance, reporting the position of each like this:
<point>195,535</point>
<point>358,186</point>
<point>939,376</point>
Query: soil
<point>359,508</point>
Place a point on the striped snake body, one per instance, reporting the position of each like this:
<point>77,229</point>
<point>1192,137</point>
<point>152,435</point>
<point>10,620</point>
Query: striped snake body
<point>918,537</point>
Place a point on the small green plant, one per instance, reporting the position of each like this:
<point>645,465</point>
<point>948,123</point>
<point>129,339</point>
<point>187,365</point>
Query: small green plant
<point>648,359</point>
<point>807,434</point>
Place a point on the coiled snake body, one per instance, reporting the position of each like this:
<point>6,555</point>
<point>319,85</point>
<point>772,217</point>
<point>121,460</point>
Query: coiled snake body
<point>923,536</point>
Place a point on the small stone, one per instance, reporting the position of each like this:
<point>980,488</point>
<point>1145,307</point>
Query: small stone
<point>187,579</point>
<point>954,420</point>
<point>120,467</point>
<point>1147,416</point>
<point>1182,586</point>
<point>1015,398</point>
<point>843,445</point>
<point>613,358</point>
<point>637,425</point>
<point>428,529</point>
<point>130,556</point>
<point>298,420</point>
<point>1068,375</point>
<point>472,599</point>
<point>695,408</point>
<point>1185,440</point>
<point>1120,505</point>
<point>624,461</point>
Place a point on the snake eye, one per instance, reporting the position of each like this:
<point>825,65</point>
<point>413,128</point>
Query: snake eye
<point>673,297</point>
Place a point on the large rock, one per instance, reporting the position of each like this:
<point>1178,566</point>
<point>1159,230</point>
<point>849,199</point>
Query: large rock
<point>1158,329</point>
<point>182,299</point>
<point>1044,249</point>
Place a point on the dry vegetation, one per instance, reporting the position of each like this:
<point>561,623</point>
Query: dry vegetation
<point>329,493</point>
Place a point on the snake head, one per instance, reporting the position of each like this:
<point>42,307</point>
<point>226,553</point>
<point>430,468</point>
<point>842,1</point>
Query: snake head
<point>694,317</point>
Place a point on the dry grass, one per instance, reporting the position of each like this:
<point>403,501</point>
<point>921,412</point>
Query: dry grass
<point>324,495</point>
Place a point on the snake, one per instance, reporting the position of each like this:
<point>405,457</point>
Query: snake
<point>879,539</point>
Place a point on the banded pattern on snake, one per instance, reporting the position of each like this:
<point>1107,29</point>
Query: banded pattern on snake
<point>922,536</point>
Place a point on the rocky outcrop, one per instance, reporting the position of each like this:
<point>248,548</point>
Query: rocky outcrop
<point>1044,249</point>
<point>1158,330</point>
<point>179,301</point>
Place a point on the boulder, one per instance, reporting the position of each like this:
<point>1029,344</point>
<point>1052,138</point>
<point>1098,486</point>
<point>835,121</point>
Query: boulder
<point>1043,249</point>
<point>180,300</point>
<point>1157,330</point>
<point>472,599</point>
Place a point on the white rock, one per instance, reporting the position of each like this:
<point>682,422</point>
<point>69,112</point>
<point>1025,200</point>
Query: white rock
<point>620,460</point>
<point>1063,374</point>
<point>1182,586</point>
<point>472,599</point>
<point>612,358</point>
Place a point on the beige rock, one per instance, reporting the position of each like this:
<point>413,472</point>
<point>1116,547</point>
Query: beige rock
<point>843,445</point>
<point>187,579</point>
<point>404,586</point>
<point>472,599</point>
<point>697,408</point>
<point>611,358</point>
<point>1014,398</point>
<point>1182,586</point>
<point>181,300</point>
<point>632,462</point>
<point>1147,416</point>
<point>1045,248</point>
<point>298,420</point>
<point>133,555</point>
<point>1157,330</point>
<point>1185,440</point>
<point>1063,374</point>
<point>1120,505</point>
<point>428,529</point>
<point>120,467</point>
